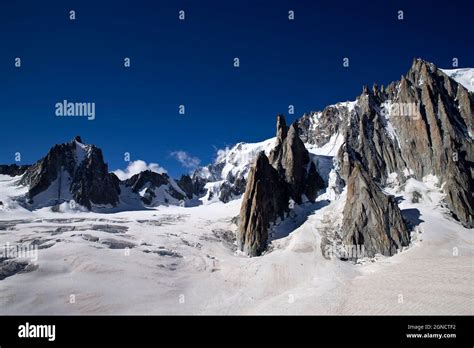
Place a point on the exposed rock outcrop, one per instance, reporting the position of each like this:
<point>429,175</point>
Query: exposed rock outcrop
<point>371,218</point>
<point>232,189</point>
<point>13,169</point>
<point>199,185</point>
<point>317,128</point>
<point>149,185</point>
<point>72,171</point>
<point>186,184</point>
<point>271,183</point>
<point>290,158</point>
<point>265,199</point>
<point>277,153</point>
<point>420,125</point>
<point>440,141</point>
<point>314,183</point>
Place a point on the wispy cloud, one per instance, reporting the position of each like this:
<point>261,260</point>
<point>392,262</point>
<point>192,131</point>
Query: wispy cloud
<point>136,167</point>
<point>185,159</point>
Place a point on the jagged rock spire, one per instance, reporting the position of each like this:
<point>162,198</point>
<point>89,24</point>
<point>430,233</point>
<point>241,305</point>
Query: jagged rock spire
<point>264,200</point>
<point>78,139</point>
<point>371,218</point>
<point>282,129</point>
<point>270,185</point>
<point>375,89</point>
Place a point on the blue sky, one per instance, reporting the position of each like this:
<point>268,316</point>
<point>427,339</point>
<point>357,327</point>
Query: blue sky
<point>190,62</point>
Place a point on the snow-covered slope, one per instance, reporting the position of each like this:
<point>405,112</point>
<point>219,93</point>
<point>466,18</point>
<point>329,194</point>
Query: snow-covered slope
<point>9,192</point>
<point>235,161</point>
<point>174,260</point>
<point>463,76</point>
<point>225,179</point>
<point>238,159</point>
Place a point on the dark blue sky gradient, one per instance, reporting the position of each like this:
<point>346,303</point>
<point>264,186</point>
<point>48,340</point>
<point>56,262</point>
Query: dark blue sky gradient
<point>191,63</point>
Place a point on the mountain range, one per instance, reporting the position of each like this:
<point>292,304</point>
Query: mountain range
<point>419,126</point>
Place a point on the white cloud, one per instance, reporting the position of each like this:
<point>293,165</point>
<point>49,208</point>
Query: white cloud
<point>185,159</point>
<point>136,167</point>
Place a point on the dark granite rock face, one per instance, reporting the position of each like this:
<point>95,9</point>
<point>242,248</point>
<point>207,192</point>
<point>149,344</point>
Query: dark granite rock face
<point>367,142</point>
<point>318,128</point>
<point>371,218</point>
<point>149,181</point>
<point>227,191</point>
<point>291,162</point>
<point>186,184</point>
<point>440,142</point>
<point>89,181</point>
<point>199,185</point>
<point>271,183</point>
<point>432,117</point>
<point>93,184</point>
<point>13,169</point>
<point>431,127</point>
<point>276,155</point>
<point>290,158</point>
<point>265,199</point>
<point>232,189</point>
<point>314,183</point>
<point>10,267</point>
<point>146,178</point>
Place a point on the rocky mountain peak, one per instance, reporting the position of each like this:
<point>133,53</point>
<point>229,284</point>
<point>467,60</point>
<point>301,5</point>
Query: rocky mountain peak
<point>155,188</point>
<point>421,73</point>
<point>146,177</point>
<point>13,169</point>
<point>282,129</point>
<point>264,200</point>
<point>290,158</point>
<point>425,129</point>
<point>77,138</point>
<point>375,89</point>
<point>272,182</point>
<point>294,162</point>
<point>421,65</point>
<point>71,171</point>
<point>187,185</point>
